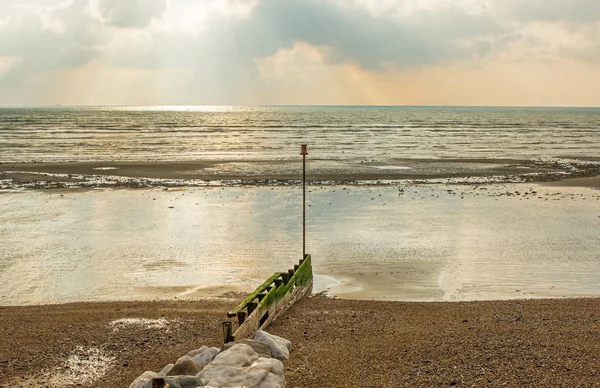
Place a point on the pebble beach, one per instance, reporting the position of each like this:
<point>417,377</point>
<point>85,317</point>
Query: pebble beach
<point>336,343</point>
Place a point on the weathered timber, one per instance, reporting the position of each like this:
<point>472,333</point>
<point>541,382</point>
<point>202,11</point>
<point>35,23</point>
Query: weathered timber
<point>272,298</point>
<point>253,296</point>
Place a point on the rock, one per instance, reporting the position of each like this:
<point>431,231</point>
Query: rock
<point>206,356</point>
<point>183,382</point>
<point>193,353</point>
<point>264,373</point>
<point>280,347</point>
<point>183,358</point>
<point>185,368</point>
<point>238,355</point>
<point>144,380</point>
<point>271,365</point>
<point>228,376</point>
<point>272,380</point>
<point>164,371</point>
<point>212,372</point>
<point>261,348</point>
<point>273,369</point>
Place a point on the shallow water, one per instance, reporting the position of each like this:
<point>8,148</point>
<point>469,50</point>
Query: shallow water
<point>418,243</point>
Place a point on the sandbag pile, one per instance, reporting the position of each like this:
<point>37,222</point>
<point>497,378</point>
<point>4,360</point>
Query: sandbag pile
<point>246,363</point>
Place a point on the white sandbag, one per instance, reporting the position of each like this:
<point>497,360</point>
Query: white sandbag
<point>185,367</point>
<point>206,356</point>
<point>237,355</point>
<point>272,380</point>
<point>271,365</point>
<point>228,376</point>
<point>211,372</point>
<point>163,372</point>
<point>183,382</point>
<point>183,358</point>
<point>144,380</point>
<point>195,352</point>
<point>280,347</point>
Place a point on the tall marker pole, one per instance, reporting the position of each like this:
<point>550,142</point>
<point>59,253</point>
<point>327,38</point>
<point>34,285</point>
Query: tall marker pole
<point>303,152</point>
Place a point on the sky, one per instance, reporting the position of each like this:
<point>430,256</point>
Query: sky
<point>300,52</point>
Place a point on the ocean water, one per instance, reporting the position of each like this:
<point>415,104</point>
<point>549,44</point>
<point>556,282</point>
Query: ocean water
<point>424,243</point>
<point>339,134</point>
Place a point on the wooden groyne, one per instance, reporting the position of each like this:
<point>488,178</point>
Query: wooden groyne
<point>269,301</point>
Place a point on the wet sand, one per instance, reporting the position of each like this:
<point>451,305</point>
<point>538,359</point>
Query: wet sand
<point>255,171</point>
<point>550,342</point>
<point>591,182</point>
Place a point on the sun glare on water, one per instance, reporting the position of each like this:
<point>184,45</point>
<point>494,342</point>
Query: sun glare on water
<point>182,108</point>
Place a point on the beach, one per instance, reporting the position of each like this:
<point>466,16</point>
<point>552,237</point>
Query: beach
<point>450,246</point>
<point>546,342</point>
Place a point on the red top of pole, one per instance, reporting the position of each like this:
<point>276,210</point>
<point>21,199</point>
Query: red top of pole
<point>304,150</point>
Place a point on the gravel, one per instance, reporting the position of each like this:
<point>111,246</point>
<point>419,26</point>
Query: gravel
<point>336,343</point>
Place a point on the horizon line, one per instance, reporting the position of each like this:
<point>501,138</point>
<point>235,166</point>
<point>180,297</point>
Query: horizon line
<point>289,105</point>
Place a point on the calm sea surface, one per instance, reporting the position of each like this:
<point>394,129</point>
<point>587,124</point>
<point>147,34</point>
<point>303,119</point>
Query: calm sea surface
<point>273,133</point>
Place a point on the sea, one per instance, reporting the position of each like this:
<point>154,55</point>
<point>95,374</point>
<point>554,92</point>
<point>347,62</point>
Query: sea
<point>336,133</point>
<point>421,241</point>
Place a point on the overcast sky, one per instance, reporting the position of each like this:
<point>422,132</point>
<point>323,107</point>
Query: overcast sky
<point>383,52</point>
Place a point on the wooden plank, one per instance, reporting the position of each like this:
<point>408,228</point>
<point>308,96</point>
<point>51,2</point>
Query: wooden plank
<point>280,296</point>
<point>250,298</point>
<point>285,303</point>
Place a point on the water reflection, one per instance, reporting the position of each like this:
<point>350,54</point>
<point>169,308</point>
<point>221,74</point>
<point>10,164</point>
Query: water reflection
<point>424,243</point>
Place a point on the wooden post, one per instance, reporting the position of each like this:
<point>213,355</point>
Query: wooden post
<point>304,152</point>
<point>227,332</point>
<point>241,316</point>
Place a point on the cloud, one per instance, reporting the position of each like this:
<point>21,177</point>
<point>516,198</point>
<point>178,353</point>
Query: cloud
<point>51,38</point>
<point>575,11</point>
<point>253,51</point>
<point>293,75</point>
<point>366,38</point>
<point>131,13</point>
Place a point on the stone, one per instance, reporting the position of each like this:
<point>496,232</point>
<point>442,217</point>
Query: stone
<point>183,358</point>
<point>231,376</point>
<point>238,355</point>
<point>280,347</point>
<point>183,381</point>
<point>144,380</point>
<point>272,380</point>
<point>195,352</point>
<point>261,348</point>
<point>271,365</point>
<point>185,368</point>
<point>206,356</point>
<point>164,371</point>
<point>211,372</point>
